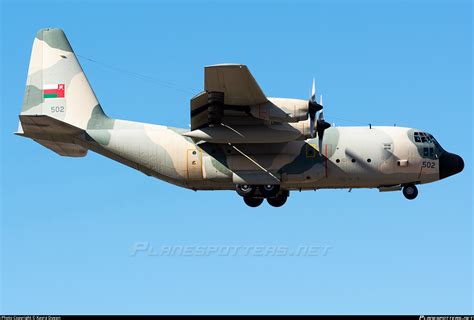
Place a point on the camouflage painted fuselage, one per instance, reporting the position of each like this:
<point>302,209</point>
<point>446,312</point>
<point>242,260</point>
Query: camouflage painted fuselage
<point>352,157</point>
<point>61,112</point>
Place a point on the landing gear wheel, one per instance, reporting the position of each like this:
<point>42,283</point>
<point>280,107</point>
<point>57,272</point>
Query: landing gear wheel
<point>245,190</point>
<point>410,191</point>
<point>253,202</point>
<point>279,199</point>
<point>269,190</point>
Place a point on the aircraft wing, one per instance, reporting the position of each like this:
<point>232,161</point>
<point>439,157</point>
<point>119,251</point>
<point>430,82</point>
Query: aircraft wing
<point>233,109</point>
<point>236,82</point>
<point>237,92</point>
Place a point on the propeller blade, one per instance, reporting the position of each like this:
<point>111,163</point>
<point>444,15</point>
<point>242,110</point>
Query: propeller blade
<point>321,116</point>
<point>321,125</point>
<point>313,107</point>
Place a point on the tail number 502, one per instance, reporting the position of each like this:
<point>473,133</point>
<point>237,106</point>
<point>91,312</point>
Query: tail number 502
<point>56,109</point>
<point>428,164</point>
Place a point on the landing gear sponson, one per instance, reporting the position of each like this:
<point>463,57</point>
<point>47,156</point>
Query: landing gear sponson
<point>254,195</point>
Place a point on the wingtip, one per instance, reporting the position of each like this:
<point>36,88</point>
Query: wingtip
<point>229,65</point>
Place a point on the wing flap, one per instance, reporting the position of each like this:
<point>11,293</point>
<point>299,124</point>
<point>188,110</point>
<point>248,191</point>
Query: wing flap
<point>246,134</point>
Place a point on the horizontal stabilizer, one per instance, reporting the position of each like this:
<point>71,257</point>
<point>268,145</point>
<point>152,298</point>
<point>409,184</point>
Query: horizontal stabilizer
<point>54,134</point>
<point>41,125</point>
<point>64,149</point>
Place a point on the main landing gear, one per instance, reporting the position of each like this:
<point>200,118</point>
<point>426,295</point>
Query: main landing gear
<point>254,195</point>
<point>410,191</point>
<point>279,199</point>
<point>253,202</point>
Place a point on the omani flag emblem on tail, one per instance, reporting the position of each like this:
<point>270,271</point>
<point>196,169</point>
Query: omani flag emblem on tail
<point>53,90</point>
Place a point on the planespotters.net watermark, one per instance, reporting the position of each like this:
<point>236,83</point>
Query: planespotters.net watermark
<point>145,248</point>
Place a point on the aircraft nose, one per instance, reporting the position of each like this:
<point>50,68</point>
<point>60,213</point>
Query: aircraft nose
<point>449,164</point>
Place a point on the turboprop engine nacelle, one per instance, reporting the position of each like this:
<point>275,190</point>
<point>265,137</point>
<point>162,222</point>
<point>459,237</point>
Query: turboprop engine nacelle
<point>303,127</point>
<point>281,110</point>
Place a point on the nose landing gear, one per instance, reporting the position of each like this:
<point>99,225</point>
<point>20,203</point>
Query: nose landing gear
<point>410,191</point>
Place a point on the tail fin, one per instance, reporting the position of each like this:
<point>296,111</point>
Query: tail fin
<point>59,103</point>
<point>56,86</point>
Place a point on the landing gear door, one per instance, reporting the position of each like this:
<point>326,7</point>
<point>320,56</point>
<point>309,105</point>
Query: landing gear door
<point>194,160</point>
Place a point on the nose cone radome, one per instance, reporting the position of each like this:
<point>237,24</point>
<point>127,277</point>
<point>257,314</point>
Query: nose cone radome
<point>449,164</point>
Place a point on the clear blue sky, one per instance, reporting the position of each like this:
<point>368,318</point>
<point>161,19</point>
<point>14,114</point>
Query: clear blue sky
<point>68,226</point>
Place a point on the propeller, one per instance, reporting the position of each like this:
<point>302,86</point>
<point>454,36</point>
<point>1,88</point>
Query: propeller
<point>313,107</point>
<point>321,125</point>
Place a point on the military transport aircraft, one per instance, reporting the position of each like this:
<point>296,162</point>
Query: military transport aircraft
<point>239,139</point>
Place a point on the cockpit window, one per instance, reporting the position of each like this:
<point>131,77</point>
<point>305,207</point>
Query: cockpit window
<point>423,137</point>
<point>417,137</point>
<point>433,139</point>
